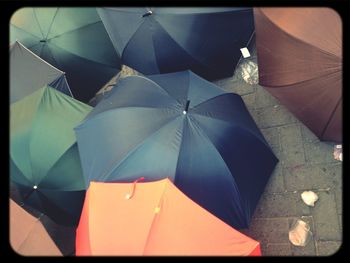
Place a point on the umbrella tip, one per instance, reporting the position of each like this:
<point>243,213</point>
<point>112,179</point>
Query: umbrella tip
<point>35,187</point>
<point>184,112</point>
<point>148,13</point>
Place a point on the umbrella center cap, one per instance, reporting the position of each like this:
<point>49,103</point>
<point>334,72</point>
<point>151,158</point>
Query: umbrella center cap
<point>35,187</point>
<point>43,40</point>
<point>184,112</point>
<point>147,14</point>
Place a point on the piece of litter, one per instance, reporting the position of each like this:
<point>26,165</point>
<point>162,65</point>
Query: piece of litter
<point>338,152</point>
<point>309,198</point>
<point>249,72</point>
<point>299,233</point>
<point>276,106</point>
<point>245,52</point>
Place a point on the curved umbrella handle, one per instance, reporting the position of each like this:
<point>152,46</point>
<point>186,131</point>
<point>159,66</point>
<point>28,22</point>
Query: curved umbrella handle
<point>129,196</point>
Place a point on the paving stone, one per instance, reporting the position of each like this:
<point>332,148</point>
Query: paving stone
<point>268,230</point>
<point>276,181</point>
<point>271,135</point>
<point>309,249</point>
<point>319,152</point>
<point>277,249</point>
<point>292,145</point>
<point>328,248</point>
<point>308,135</point>
<point>264,99</point>
<point>335,173</point>
<point>236,85</point>
<point>274,116</point>
<point>277,205</point>
<point>249,100</point>
<point>308,177</point>
<point>326,218</point>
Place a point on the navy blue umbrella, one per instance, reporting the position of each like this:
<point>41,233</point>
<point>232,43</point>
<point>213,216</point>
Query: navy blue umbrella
<point>183,127</point>
<point>162,40</point>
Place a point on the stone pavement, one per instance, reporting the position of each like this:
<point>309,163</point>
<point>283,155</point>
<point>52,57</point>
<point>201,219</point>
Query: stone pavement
<point>305,163</point>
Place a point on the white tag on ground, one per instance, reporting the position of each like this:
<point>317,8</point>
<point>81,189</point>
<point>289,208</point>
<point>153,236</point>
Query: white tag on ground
<point>245,52</point>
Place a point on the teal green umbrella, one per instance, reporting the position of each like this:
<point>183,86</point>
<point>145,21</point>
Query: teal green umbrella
<point>71,39</point>
<point>44,158</point>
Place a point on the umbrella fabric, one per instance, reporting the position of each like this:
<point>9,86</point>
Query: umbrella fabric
<point>300,62</point>
<point>163,40</point>
<point>28,236</point>
<point>180,126</point>
<point>153,218</point>
<point>73,40</point>
<point>44,159</point>
<point>28,73</point>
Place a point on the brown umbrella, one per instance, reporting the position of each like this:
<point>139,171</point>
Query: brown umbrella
<point>300,62</point>
<point>28,236</point>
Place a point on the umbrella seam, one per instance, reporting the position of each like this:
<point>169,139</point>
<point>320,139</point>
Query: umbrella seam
<point>202,63</point>
<point>83,58</point>
<point>330,117</point>
<point>38,57</point>
<point>243,216</point>
<point>52,21</point>
<point>304,81</point>
<point>240,127</point>
<point>154,216</point>
<point>37,21</point>
<point>134,149</point>
<point>25,31</point>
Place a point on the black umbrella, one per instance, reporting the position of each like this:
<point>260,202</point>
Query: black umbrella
<point>180,126</point>
<point>161,40</point>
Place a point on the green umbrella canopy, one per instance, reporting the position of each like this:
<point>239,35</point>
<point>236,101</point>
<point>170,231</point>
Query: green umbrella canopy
<point>71,39</point>
<point>44,158</point>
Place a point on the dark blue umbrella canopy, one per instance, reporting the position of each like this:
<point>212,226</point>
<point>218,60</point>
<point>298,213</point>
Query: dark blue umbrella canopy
<point>71,39</point>
<point>162,40</point>
<point>183,127</point>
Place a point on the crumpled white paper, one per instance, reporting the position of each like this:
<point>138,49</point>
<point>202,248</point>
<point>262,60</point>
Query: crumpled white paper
<point>299,233</point>
<point>249,72</point>
<point>338,152</point>
<point>309,198</point>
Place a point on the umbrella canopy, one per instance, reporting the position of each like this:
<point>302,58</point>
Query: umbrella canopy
<point>300,62</point>
<point>28,236</point>
<point>44,159</point>
<point>180,126</point>
<point>153,218</point>
<point>72,39</point>
<point>28,72</point>
<point>163,40</point>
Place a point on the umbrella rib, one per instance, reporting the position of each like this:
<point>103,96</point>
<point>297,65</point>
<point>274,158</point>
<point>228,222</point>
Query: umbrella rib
<point>304,81</point>
<point>194,58</point>
<point>84,58</point>
<point>296,38</point>
<point>53,19</point>
<point>37,21</point>
<point>331,117</point>
<point>29,232</point>
<point>159,86</point>
<point>19,28</point>
<point>197,125</point>
<point>134,149</point>
<point>75,29</point>
<point>154,217</point>
<point>235,126</point>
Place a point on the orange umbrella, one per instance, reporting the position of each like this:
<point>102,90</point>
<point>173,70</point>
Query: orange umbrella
<point>153,218</point>
<point>28,236</point>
